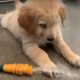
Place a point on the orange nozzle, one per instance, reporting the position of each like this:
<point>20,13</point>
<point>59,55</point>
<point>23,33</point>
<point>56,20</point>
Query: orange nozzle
<point>18,69</point>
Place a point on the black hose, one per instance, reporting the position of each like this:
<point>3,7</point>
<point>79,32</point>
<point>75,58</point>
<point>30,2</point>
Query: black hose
<point>1,68</point>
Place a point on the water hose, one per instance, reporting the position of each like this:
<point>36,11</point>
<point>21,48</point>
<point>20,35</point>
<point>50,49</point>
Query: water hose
<point>5,1</point>
<point>18,69</point>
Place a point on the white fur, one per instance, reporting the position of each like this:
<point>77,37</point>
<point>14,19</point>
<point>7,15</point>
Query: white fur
<point>10,22</point>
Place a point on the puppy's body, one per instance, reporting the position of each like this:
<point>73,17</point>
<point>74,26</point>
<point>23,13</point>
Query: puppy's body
<point>35,23</point>
<point>10,22</point>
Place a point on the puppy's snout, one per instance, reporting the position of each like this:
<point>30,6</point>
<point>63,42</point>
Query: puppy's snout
<point>49,39</point>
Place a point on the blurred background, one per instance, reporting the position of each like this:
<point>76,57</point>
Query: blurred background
<point>11,49</point>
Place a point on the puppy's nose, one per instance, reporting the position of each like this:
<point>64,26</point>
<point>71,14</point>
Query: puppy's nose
<point>49,39</point>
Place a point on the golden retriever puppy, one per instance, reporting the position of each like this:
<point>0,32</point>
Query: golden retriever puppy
<point>35,23</point>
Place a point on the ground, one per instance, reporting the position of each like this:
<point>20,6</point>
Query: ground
<point>11,50</point>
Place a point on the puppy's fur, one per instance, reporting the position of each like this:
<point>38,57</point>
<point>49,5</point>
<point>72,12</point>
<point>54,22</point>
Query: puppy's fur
<point>35,23</point>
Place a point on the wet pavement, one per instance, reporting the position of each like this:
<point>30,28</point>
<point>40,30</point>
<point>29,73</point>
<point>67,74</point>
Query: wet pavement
<point>11,50</point>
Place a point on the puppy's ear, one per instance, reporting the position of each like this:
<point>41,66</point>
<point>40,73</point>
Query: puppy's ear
<point>18,4</point>
<point>26,19</point>
<point>62,13</point>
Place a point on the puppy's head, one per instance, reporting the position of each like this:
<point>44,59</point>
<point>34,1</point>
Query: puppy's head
<point>42,22</point>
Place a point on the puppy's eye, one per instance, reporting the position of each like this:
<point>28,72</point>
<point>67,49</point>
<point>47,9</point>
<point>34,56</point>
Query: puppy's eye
<point>43,25</point>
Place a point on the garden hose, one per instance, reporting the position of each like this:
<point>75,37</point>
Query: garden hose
<point>5,1</point>
<point>18,69</point>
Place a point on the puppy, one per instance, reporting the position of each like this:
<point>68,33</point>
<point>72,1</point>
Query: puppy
<point>35,23</point>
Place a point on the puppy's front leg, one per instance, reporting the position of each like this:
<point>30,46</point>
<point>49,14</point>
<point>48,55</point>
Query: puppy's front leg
<point>64,49</point>
<point>39,57</point>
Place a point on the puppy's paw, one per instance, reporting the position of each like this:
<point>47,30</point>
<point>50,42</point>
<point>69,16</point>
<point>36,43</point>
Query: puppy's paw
<point>49,70</point>
<point>75,61</point>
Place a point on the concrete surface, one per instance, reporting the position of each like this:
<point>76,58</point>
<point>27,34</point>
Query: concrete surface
<point>11,51</point>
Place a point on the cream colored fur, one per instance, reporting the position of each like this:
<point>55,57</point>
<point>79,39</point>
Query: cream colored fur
<point>31,44</point>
